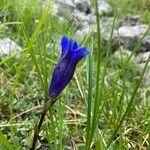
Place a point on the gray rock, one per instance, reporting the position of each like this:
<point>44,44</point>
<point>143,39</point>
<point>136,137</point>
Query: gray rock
<point>104,8</point>
<point>146,77</point>
<point>92,19</point>
<point>82,33</point>
<point>68,6</point>
<point>106,24</point>
<point>143,57</point>
<point>130,20</point>
<point>132,31</point>
<point>105,27</point>
<point>54,9</point>
<point>83,6</point>
<point>69,3</point>
<point>80,17</point>
<point>64,7</point>
<point>146,44</point>
<point>81,12</point>
<point>129,35</point>
<point>7,46</point>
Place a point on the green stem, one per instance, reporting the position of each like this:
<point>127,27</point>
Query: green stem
<point>37,129</point>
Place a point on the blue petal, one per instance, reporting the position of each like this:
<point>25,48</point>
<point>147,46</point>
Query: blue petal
<point>64,70</point>
<point>65,44</point>
<point>80,53</point>
<point>58,76</point>
<point>61,78</point>
<point>73,45</point>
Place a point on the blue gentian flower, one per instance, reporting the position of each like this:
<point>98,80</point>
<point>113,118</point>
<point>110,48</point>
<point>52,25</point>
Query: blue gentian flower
<point>64,70</point>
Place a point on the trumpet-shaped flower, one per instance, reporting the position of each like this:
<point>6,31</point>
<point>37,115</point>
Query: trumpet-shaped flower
<point>63,72</point>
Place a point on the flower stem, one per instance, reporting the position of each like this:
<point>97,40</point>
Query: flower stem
<point>37,129</point>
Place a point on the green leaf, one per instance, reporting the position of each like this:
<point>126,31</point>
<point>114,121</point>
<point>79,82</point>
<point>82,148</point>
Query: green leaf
<point>5,143</point>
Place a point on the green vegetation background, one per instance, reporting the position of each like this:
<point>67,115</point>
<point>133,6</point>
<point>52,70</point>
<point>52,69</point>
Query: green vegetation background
<point>120,105</point>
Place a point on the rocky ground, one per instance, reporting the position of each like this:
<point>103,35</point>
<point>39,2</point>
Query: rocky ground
<point>127,30</point>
